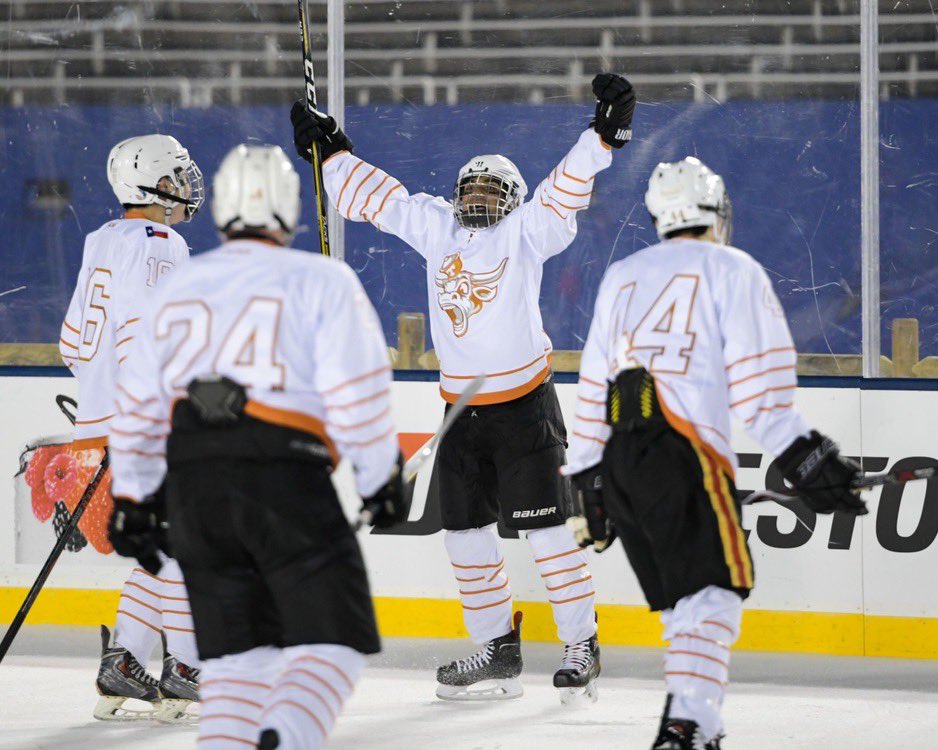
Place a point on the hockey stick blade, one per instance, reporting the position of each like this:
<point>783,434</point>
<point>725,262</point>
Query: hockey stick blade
<point>413,464</point>
<point>312,106</point>
<point>53,556</point>
<point>866,482</point>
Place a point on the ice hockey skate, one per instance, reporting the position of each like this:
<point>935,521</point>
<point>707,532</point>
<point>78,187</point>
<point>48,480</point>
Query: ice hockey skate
<point>578,671</point>
<point>122,677</point>
<point>489,674</point>
<point>683,734</point>
<point>178,689</point>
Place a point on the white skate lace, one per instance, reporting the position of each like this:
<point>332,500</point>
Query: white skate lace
<point>577,656</point>
<point>477,660</point>
<point>139,673</point>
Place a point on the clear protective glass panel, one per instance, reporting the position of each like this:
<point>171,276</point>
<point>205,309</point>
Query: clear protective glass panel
<point>765,92</point>
<point>908,154</point>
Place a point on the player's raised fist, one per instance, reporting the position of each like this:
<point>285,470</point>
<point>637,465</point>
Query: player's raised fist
<point>309,128</point>
<point>615,105</point>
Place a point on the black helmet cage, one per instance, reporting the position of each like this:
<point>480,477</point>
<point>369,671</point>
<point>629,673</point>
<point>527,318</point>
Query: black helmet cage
<point>472,204</point>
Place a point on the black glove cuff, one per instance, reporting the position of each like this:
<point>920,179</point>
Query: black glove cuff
<point>802,460</point>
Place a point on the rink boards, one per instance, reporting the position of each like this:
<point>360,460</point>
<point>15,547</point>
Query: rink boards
<point>823,584</point>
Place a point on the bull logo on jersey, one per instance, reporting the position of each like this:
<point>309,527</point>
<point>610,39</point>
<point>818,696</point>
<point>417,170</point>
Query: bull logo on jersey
<point>462,294</point>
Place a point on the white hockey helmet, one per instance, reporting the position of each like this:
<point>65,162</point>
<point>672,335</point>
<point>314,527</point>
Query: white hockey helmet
<point>488,188</point>
<point>687,194</point>
<point>136,166</point>
<point>255,189</point>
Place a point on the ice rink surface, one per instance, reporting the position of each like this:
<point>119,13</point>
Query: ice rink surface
<point>774,701</point>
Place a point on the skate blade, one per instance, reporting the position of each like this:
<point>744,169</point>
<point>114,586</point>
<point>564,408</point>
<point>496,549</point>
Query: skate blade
<point>579,697</point>
<point>111,708</point>
<point>176,711</point>
<point>487,690</point>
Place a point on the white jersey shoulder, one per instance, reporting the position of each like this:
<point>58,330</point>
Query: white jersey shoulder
<point>296,329</point>
<point>483,285</point>
<point>122,263</point>
<point>704,320</point>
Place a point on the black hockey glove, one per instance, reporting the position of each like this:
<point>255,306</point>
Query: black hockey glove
<point>387,506</point>
<point>615,105</point>
<point>139,529</point>
<point>323,130</point>
<point>590,524</point>
<point>821,476</point>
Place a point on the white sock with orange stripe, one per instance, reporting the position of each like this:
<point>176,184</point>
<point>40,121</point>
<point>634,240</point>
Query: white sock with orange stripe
<point>562,565</point>
<point>482,581</point>
<point>308,695</point>
<point>177,615</point>
<point>701,629</point>
<point>233,692</point>
<point>139,615</point>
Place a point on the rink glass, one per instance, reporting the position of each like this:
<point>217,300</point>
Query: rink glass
<point>765,93</point>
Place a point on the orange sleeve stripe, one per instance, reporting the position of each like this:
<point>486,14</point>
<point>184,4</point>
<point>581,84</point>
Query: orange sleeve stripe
<point>70,346</point>
<point>158,436</point>
<point>761,373</point>
<point>338,202</point>
<point>360,401</point>
<point>548,205</point>
<point>568,192</point>
<point>585,379</point>
<point>366,443</point>
<point>563,169</point>
<point>374,216</point>
<point>591,401</point>
<point>357,189</point>
<point>337,153</point>
<point>132,320</point>
<point>368,199</point>
<point>774,407</point>
<point>71,327</point>
<point>347,383</point>
<point>124,341</point>
<point>564,205</point>
<point>762,393</point>
<point>760,354</point>
<point>137,401</point>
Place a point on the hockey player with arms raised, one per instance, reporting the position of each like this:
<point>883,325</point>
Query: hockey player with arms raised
<point>158,185</point>
<point>245,362</point>
<point>484,253</point>
<point>686,333</point>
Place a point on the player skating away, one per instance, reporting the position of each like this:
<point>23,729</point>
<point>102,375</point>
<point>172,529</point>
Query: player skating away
<point>484,254</point>
<point>686,333</point>
<point>158,184</point>
<point>245,360</point>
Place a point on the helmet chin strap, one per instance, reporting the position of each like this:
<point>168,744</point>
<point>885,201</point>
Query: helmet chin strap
<point>168,199</point>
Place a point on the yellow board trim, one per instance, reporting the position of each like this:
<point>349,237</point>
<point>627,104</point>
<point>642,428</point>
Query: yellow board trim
<point>622,625</point>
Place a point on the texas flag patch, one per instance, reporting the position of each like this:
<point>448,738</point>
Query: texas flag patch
<point>151,232</point>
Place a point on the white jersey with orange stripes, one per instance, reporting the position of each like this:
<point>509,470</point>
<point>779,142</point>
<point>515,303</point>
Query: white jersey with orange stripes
<point>295,329</point>
<point>483,284</point>
<point>703,319</point>
<point>120,268</point>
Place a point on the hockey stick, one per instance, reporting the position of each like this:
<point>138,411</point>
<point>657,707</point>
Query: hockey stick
<point>413,464</point>
<point>53,556</point>
<point>866,482</point>
<point>312,106</point>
